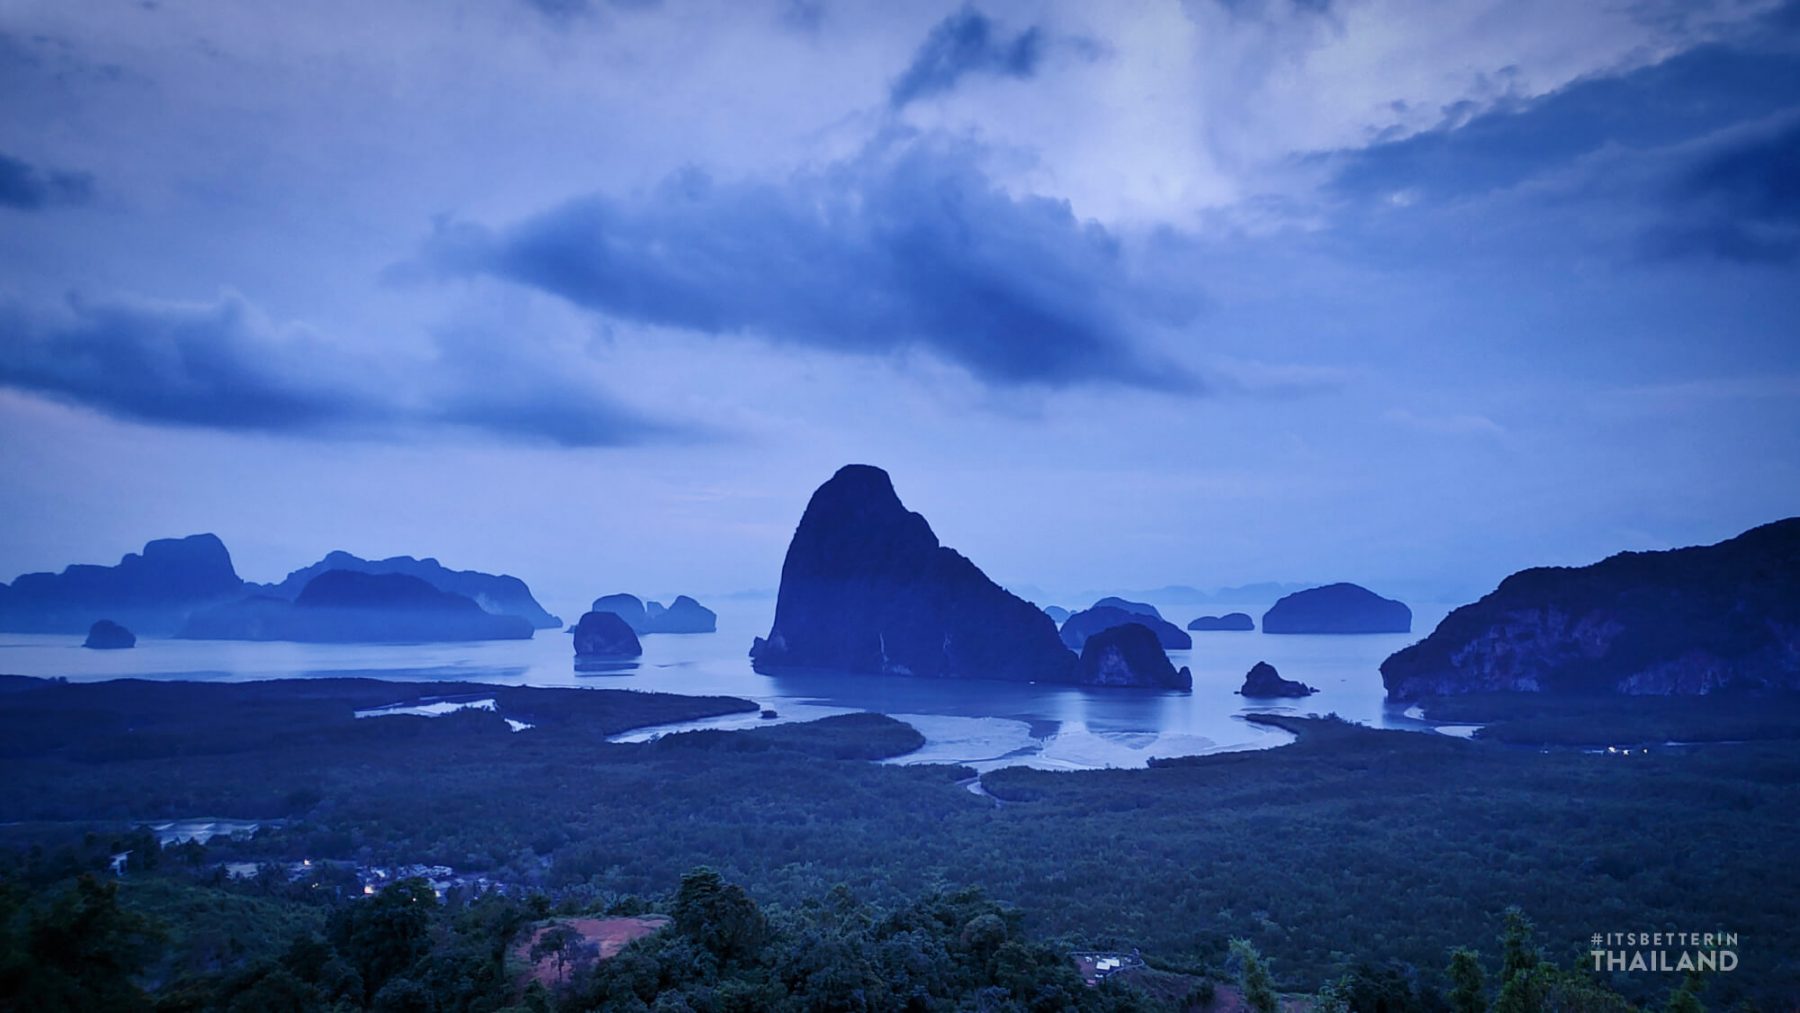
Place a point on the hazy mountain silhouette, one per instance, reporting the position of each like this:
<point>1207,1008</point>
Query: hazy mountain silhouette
<point>1337,608</point>
<point>349,606</point>
<point>1079,627</point>
<point>150,592</point>
<point>501,594</point>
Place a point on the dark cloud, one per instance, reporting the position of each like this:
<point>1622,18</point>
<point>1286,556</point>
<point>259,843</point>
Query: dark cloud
<point>1698,155</point>
<point>1741,202</point>
<point>215,365</point>
<point>1254,8</point>
<point>1684,97</point>
<point>224,366</point>
<point>965,43</point>
<point>499,385</point>
<point>803,16</point>
<point>567,10</point>
<point>570,418</point>
<point>559,8</point>
<point>28,188</point>
<point>909,246</point>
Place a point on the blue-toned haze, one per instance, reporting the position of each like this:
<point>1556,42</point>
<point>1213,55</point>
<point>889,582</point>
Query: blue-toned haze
<point>1406,293</point>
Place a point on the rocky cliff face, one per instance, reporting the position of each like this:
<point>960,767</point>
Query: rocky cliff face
<point>866,587</point>
<point>1129,655</point>
<point>1686,621</point>
<point>605,635</point>
<point>684,616</point>
<point>151,592</point>
<point>106,635</point>
<point>628,607</point>
<point>501,594</point>
<point>1263,681</point>
<point>1337,608</point>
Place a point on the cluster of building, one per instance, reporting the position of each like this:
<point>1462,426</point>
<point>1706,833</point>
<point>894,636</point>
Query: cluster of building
<point>366,879</point>
<point>442,878</point>
<point>1096,967</point>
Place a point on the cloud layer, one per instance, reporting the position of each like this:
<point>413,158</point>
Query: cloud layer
<point>219,365</point>
<point>26,187</point>
<point>1742,201</point>
<point>908,246</point>
<point>1695,155</point>
<point>960,238</point>
<point>224,365</point>
<point>967,42</point>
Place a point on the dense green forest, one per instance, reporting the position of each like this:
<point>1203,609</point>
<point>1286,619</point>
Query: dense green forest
<point>85,943</point>
<point>1534,719</point>
<point>1353,855</point>
<point>89,944</point>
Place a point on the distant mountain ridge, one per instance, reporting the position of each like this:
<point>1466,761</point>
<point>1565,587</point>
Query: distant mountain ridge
<point>1683,621</point>
<point>350,606</point>
<point>1103,616</point>
<point>1234,622</point>
<point>1337,609</point>
<point>157,591</point>
<point>1183,594</point>
<point>501,594</point>
<point>150,592</point>
<point>684,615</point>
<point>1256,595</point>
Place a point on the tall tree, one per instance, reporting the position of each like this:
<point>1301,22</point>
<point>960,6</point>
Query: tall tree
<point>1253,977</point>
<point>1517,954</point>
<point>719,916</point>
<point>1467,986</point>
<point>79,951</point>
<point>388,933</point>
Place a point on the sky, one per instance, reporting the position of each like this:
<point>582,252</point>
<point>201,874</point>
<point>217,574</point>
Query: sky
<point>1413,293</point>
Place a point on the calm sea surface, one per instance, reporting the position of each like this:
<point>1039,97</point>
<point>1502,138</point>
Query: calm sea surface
<point>984,724</point>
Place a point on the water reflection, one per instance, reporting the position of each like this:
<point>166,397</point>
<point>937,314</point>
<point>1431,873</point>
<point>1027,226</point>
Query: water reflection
<point>592,667</point>
<point>436,673</point>
<point>985,724</point>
